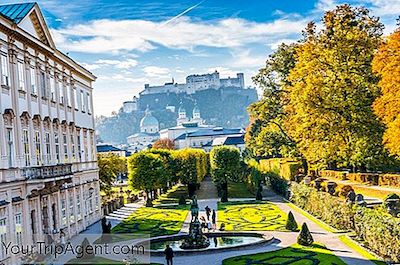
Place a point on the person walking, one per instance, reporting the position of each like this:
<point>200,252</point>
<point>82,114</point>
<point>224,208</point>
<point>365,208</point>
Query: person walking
<point>169,255</point>
<point>208,212</point>
<point>214,220</point>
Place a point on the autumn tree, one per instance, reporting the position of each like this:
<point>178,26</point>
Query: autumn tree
<point>386,64</point>
<point>225,166</point>
<point>266,135</point>
<point>164,144</point>
<point>331,90</point>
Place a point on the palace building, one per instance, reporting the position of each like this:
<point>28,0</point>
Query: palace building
<point>49,182</point>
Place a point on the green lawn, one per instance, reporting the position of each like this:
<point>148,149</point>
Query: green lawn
<point>173,195</point>
<point>239,190</point>
<point>251,216</point>
<point>157,221</point>
<point>293,255</point>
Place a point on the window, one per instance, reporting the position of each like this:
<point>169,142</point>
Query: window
<point>75,98</point>
<point>33,81</point>
<point>18,229</point>
<point>79,148</point>
<point>85,146</point>
<point>69,96</point>
<point>21,78</point>
<point>90,201</point>
<point>25,144</point>
<point>10,146</point>
<point>73,147</point>
<point>48,148</point>
<point>37,148</point>
<point>57,145</point>
<point>89,109</point>
<point>3,237</point>
<point>43,85</point>
<point>65,143</point>
<point>83,105</point>
<point>63,212</point>
<point>61,91</point>
<point>52,89</point>
<point>4,71</point>
<point>78,205</point>
<point>71,208</point>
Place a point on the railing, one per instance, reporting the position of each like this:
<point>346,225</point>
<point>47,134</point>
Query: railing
<point>45,172</point>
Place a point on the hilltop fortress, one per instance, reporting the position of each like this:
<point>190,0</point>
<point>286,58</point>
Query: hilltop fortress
<point>196,83</point>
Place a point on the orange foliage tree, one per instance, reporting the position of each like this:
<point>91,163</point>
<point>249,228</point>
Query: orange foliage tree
<point>164,144</point>
<point>386,64</point>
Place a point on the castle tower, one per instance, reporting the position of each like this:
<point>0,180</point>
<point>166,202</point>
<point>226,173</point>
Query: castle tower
<point>196,115</point>
<point>182,118</point>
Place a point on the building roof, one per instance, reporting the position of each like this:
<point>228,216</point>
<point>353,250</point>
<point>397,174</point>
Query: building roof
<point>229,140</point>
<point>107,148</point>
<point>16,12</point>
<point>210,132</point>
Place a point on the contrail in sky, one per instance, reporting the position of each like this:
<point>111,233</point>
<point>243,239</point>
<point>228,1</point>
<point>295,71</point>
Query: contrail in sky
<point>183,13</point>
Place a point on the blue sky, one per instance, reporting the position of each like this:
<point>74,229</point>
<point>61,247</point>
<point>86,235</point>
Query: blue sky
<point>132,42</point>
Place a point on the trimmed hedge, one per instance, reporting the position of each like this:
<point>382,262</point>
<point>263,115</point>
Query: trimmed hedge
<point>375,227</point>
<point>284,167</point>
<point>370,178</point>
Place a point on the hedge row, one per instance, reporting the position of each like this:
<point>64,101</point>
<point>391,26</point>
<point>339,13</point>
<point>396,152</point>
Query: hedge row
<point>283,167</point>
<point>379,230</point>
<point>370,178</point>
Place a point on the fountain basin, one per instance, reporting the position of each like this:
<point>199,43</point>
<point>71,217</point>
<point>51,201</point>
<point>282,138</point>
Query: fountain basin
<point>220,241</point>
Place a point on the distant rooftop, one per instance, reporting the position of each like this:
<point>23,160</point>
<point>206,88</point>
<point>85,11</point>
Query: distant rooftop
<point>211,132</point>
<point>16,12</point>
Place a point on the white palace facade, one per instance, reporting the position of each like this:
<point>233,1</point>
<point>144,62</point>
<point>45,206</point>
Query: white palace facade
<point>49,180</point>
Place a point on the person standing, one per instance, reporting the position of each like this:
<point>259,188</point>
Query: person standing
<point>214,220</point>
<point>169,254</point>
<point>208,212</point>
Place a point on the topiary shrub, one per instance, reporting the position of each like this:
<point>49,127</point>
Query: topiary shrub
<point>182,200</point>
<point>291,223</point>
<point>305,238</point>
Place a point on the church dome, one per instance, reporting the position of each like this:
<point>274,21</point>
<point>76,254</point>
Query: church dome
<point>148,121</point>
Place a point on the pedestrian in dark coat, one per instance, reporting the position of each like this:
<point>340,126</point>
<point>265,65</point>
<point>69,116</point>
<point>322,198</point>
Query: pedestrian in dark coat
<point>169,255</point>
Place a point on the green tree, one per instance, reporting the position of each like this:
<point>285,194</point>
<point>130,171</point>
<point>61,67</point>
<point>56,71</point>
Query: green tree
<point>145,170</point>
<point>225,165</point>
<point>331,90</point>
<point>266,135</point>
<point>305,238</point>
<point>192,167</point>
<point>110,166</point>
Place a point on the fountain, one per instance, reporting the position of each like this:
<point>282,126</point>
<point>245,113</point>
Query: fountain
<point>195,239</point>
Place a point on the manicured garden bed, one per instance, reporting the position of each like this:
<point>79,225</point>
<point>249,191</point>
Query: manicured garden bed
<point>251,216</point>
<point>296,254</point>
<point>157,221</point>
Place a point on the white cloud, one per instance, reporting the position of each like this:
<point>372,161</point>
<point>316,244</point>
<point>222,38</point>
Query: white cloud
<point>244,59</point>
<point>119,64</point>
<point>155,71</point>
<point>102,36</point>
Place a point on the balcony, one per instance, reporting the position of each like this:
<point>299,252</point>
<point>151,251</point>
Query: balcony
<point>47,172</point>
